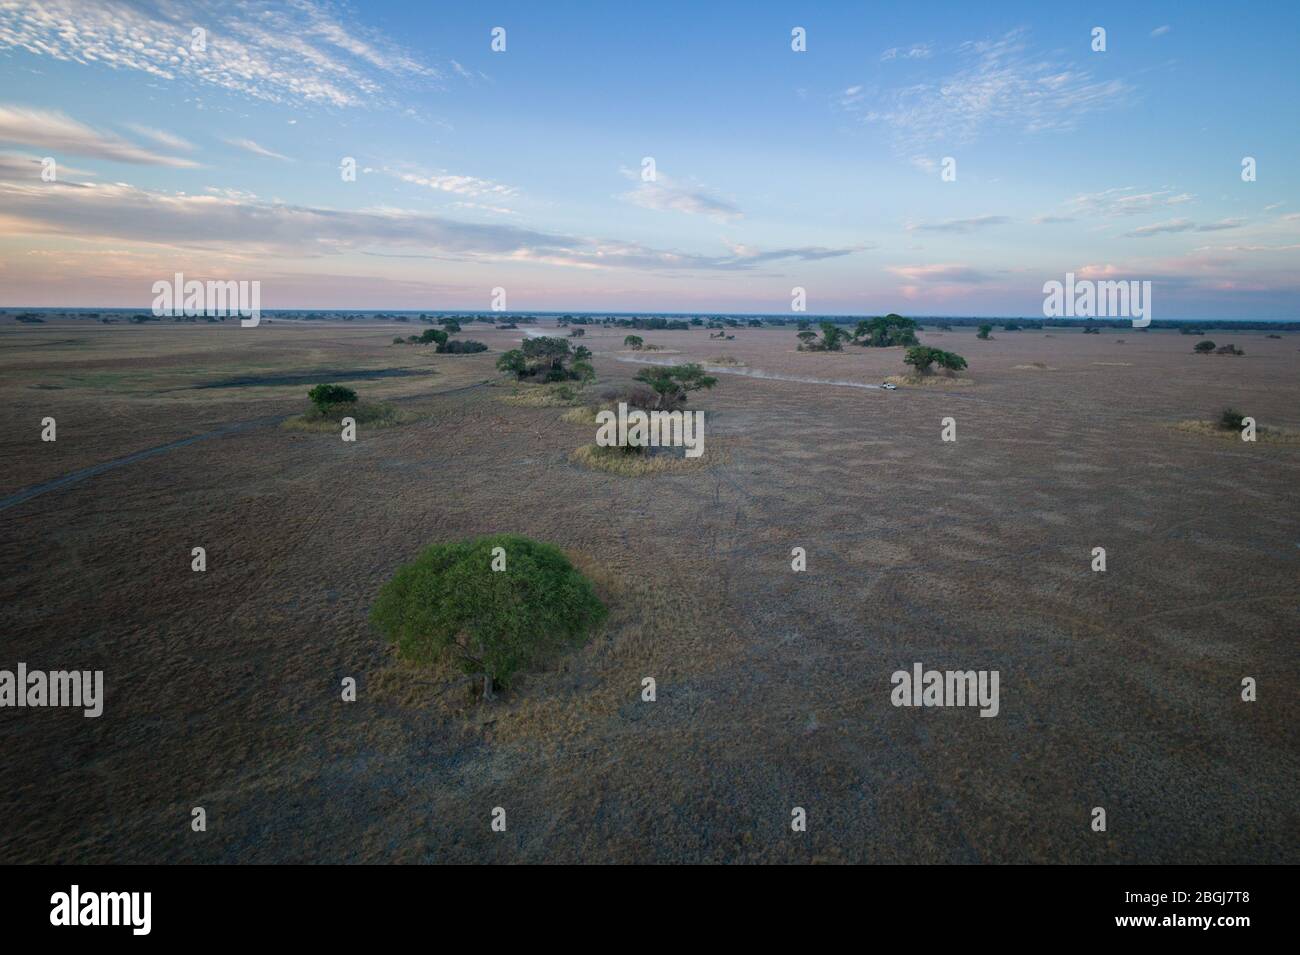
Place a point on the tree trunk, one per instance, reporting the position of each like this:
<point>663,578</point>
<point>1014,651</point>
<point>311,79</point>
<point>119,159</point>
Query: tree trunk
<point>487,686</point>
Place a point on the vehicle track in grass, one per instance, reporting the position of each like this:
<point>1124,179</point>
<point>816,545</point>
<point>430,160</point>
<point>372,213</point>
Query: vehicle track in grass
<point>82,474</point>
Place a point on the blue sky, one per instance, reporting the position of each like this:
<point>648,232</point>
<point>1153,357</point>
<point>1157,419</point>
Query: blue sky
<point>522,169</point>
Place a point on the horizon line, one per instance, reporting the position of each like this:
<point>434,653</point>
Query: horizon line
<point>1061,320</point>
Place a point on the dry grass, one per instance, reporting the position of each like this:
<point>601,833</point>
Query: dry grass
<point>580,415</point>
<point>1263,435</point>
<point>1034,366</point>
<point>729,360</point>
<point>628,464</point>
<point>367,414</point>
<point>927,381</point>
<point>773,685</point>
<point>554,395</point>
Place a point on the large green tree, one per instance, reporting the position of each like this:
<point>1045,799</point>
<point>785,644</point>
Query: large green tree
<point>923,358</point>
<point>493,605</point>
<point>547,359</point>
<point>885,331</point>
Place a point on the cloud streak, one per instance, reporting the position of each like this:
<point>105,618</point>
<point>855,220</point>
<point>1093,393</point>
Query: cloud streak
<point>457,184</point>
<point>53,132</point>
<point>257,149</point>
<point>124,212</point>
<point>1124,201</point>
<point>1182,225</point>
<point>960,226</point>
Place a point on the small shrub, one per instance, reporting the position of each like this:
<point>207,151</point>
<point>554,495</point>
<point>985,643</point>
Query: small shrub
<point>1204,348</point>
<point>1231,419</point>
<point>325,397</point>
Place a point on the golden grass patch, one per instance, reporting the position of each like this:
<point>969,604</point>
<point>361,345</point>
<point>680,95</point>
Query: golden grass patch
<point>628,464</point>
<point>1034,366</point>
<point>556,395</point>
<point>1263,435</point>
<point>726,360</point>
<point>367,414</point>
<point>580,415</point>
<point>927,381</point>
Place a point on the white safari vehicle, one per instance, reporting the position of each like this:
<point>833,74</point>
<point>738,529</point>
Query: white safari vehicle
<point>889,386</point>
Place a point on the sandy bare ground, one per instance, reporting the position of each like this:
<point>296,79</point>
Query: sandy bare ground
<point>1118,690</point>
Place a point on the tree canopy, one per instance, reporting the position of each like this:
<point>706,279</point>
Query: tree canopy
<point>671,383</point>
<point>923,357</point>
<point>885,331</point>
<point>326,396</point>
<point>493,605</point>
<point>547,359</point>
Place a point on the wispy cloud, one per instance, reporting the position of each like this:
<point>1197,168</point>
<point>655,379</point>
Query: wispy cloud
<point>1125,201</point>
<point>1221,225</point>
<point>960,225</point>
<point>1183,225</point>
<point>667,195</point>
<point>941,274</point>
<point>457,184</point>
<point>1002,85</point>
<point>257,149</point>
<point>122,212</point>
<point>1161,30</point>
<point>294,53</point>
<point>23,168</point>
<point>53,132</point>
<point>161,137</point>
<point>919,51</point>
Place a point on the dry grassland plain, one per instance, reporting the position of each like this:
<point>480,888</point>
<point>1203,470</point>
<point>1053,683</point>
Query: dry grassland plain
<point>1118,689</point>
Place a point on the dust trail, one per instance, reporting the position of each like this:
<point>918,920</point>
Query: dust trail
<point>751,373</point>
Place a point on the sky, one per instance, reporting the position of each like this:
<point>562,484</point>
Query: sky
<point>525,168</point>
